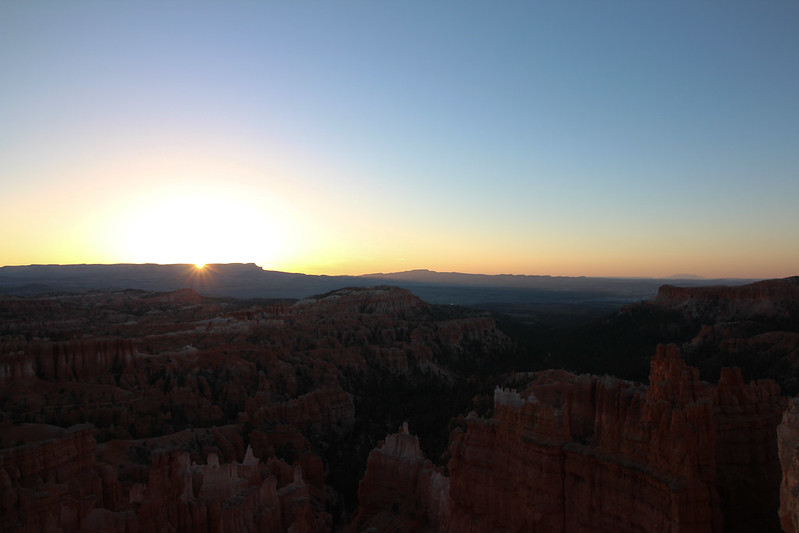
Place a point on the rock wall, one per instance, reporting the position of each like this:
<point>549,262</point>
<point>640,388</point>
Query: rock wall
<point>401,489</point>
<point>788,443</point>
<point>51,485</point>
<point>748,471</point>
<point>59,485</point>
<point>581,453</point>
<point>241,497</point>
<point>770,298</point>
<point>169,380</point>
<point>585,453</point>
<point>66,361</point>
<point>329,407</point>
<point>374,300</point>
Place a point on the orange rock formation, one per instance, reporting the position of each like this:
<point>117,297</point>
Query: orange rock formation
<point>585,453</point>
<point>176,386</point>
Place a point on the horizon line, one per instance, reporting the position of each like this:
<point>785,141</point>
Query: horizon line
<point>679,276</point>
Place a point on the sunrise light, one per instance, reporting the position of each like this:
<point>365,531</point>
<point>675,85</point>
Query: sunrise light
<point>223,223</point>
<point>321,145</point>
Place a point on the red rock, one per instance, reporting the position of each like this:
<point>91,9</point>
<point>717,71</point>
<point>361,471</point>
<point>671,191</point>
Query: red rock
<point>584,453</point>
<point>402,489</point>
<point>73,360</point>
<point>748,472</point>
<point>324,407</point>
<point>51,484</point>
<point>148,367</point>
<point>788,445</point>
<point>776,297</point>
<point>223,497</point>
<point>375,300</point>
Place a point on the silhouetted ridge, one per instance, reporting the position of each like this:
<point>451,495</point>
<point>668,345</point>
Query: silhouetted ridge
<point>763,298</point>
<point>382,299</point>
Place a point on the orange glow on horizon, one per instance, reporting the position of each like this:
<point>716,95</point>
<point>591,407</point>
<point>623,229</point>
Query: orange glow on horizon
<point>222,223</point>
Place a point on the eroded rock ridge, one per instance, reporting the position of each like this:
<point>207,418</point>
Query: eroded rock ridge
<point>133,411</point>
<point>586,453</point>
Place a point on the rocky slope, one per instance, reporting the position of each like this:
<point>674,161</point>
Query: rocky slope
<point>753,327</point>
<point>59,484</point>
<point>402,490</point>
<point>209,414</point>
<point>788,442</point>
<point>134,411</point>
<point>769,298</point>
<point>588,453</point>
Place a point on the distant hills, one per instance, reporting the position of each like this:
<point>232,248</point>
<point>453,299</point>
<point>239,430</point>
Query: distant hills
<point>504,292</point>
<point>684,276</point>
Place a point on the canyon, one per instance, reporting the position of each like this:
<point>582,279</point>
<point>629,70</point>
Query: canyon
<point>586,453</point>
<point>126,409</point>
<point>133,410</point>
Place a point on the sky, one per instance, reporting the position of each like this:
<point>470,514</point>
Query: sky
<point>614,138</point>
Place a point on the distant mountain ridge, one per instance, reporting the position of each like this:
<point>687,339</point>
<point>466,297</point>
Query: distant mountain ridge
<point>684,276</point>
<point>247,280</point>
<point>528,280</point>
<point>240,280</point>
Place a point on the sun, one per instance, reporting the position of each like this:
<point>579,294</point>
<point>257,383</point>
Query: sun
<point>222,225</point>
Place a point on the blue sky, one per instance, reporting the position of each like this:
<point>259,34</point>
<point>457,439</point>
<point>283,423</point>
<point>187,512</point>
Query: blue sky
<point>613,138</point>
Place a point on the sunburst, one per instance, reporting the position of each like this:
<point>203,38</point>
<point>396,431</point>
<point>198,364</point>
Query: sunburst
<point>172,227</point>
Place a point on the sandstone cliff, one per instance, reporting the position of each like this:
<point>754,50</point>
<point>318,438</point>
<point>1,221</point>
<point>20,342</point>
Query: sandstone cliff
<point>588,453</point>
<point>175,387</point>
<point>59,485</point>
<point>754,327</point>
<point>401,489</point>
<point>67,361</point>
<point>770,298</point>
<point>550,462</point>
<point>51,485</point>
<point>208,414</point>
<point>788,442</point>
